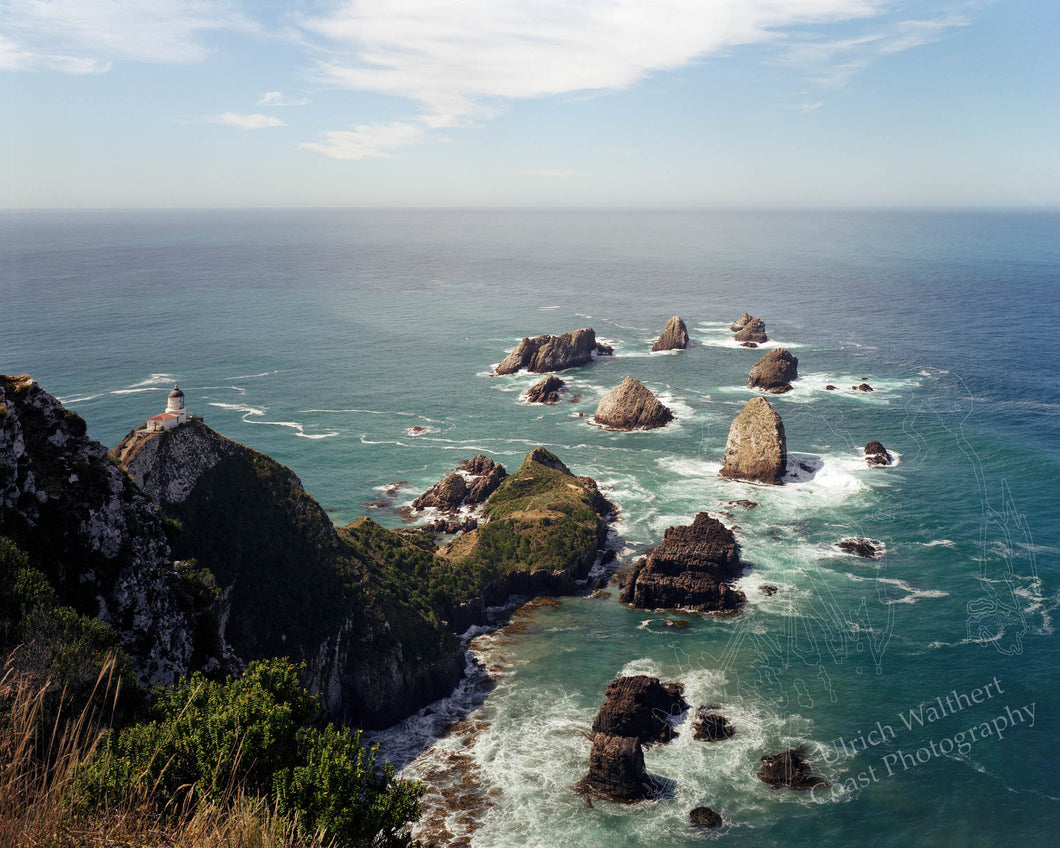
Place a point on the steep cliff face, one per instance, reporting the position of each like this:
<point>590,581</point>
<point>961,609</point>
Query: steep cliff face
<point>293,584</point>
<point>98,539</point>
<point>674,336</point>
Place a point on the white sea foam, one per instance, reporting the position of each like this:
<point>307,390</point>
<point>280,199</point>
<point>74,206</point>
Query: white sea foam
<point>944,543</point>
<point>252,413</point>
<point>83,399</point>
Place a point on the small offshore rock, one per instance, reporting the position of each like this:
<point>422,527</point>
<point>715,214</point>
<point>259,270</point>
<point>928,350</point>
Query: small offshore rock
<point>876,454</point>
<point>864,548</point>
<point>711,727</point>
<point>774,372</point>
<point>705,817</point>
<point>863,387</point>
<point>546,391</point>
<point>767,590</point>
<point>756,449</point>
<point>753,331</point>
<point>746,504</point>
<point>829,388</point>
<point>632,406</point>
<point>790,769</point>
<point>674,336</point>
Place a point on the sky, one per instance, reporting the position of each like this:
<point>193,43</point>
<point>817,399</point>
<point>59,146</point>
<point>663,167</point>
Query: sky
<point>529,103</point>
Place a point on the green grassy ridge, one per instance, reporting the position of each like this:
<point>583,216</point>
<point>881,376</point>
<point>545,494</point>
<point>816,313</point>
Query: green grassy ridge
<point>540,518</point>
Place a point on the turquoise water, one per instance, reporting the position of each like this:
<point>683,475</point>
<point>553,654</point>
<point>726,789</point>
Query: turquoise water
<point>322,337</point>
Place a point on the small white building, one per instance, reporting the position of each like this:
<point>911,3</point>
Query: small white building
<point>175,412</point>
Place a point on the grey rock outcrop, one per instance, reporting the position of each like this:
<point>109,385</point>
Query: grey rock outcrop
<point>474,480</point>
<point>99,540</point>
<point>546,390</point>
<point>756,449</point>
<point>690,569</point>
<point>774,371</point>
<point>674,336</point>
<point>552,353</point>
<point>632,406</point>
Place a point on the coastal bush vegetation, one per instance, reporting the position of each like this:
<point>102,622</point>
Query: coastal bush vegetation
<point>89,759</point>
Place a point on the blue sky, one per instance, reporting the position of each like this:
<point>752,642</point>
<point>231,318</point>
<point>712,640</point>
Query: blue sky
<point>584,103</point>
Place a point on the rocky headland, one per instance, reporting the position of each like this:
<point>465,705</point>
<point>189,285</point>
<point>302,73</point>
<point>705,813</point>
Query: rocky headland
<point>774,372</point>
<point>632,406</point>
<point>553,353</point>
<point>674,336</point>
<point>690,569</point>
<point>756,449</point>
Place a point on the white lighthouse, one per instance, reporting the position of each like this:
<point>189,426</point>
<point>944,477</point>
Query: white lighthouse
<point>175,412</point>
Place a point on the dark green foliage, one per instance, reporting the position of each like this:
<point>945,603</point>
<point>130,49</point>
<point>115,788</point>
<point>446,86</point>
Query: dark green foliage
<point>205,738</point>
<point>540,518</point>
<point>53,644</point>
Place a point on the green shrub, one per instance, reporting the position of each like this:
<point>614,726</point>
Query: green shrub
<point>204,739</point>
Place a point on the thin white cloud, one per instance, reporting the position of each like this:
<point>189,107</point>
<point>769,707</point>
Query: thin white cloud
<point>277,98</point>
<point>13,57</point>
<point>246,122</point>
<point>832,63</point>
<point>75,35</point>
<point>545,172</point>
<point>367,141</point>
<point>461,61</point>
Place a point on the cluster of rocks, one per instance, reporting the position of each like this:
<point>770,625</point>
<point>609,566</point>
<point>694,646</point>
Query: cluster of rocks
<point>749,330</point>
<point>553,353</point>
<point>710,726</point>
<point>632,406</point>
<point>690,569</point>
<point>470,484</point>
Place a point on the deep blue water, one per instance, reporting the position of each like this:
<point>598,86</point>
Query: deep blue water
<point>321,337</point>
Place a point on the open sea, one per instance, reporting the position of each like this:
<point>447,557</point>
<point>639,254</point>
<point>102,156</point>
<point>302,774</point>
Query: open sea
<point>324,337</point>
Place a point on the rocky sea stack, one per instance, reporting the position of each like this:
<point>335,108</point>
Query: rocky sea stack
<point>774,372</point>
<point>640,706</point>
<point>711,727</point>
<point>756,449</point>
<point>690,569</point>
<point>634,713</point>
<point>749,329</point>
<point>674,336</point>
<point>553,353</point>
<point>546,390</point>
<point>632,406</point>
